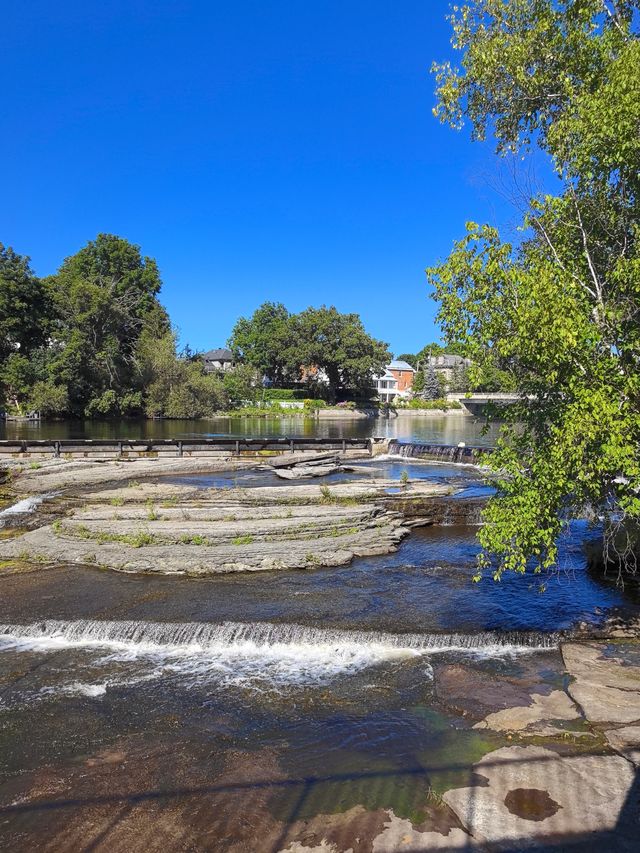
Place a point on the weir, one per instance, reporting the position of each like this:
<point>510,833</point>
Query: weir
<point>215,447</point>
<point>438,452</point>
<point>203,636</point>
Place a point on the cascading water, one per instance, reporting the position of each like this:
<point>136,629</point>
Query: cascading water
<point>25,506</point>
<point>252,654</point>
<point>437,452</point>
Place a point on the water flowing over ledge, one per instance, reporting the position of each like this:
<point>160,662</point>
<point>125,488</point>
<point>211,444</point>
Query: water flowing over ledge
<point>242,654</point>
<point>438,452</point>
<point>25,506</point>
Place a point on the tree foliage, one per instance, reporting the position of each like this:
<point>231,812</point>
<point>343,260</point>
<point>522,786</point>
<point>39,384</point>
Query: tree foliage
<point>558,313</point>
<point>104,296</point>
<point>432,389</point>
<point>315,344</point>
<point>71,343</point>
<point>177,387</point>
<point>23,305</point>
<point>339,346</point>
<point>264,341</point>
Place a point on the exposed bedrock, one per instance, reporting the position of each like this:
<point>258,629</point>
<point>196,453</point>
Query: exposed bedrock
<point>152,528</point>
<point>105,516</point>
<point>423,510</point>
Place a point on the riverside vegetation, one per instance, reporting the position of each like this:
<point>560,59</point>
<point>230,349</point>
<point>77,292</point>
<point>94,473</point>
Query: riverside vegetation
<point>559,310</point>
<point>93,340</point>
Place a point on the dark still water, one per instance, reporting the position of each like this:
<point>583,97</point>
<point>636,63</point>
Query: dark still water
<point>445,429</point>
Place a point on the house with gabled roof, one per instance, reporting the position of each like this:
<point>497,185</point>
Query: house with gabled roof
<point>395,382</point>
<point>218,360</point>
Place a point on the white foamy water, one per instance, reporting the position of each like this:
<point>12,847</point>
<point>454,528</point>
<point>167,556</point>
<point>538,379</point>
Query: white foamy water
<point>250,654</point>
<point>25,506</point>
<point>79,688</point>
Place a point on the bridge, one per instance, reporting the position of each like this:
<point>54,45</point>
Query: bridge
<point>476,403</point>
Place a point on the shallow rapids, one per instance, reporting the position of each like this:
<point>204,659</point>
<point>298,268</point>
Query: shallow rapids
<point>259,654</point>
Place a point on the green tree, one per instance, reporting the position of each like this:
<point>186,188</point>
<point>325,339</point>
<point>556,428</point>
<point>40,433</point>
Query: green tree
<point>418,382</point>
<point>103,297</point>
<point>409,358</point>
<point>17,379</point>
<point>560,311</point>
<point>264,341</point>
<point>432,387</point>
<point>338,345</point>
<point>177,387</point>
<point>46,398</point>
<point>24,308</point>
<point>241,385</point>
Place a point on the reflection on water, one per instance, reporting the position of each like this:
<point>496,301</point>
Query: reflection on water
<point>439,429</point>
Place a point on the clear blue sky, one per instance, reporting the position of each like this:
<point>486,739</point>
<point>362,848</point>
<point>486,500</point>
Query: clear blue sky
<point>258,150</point>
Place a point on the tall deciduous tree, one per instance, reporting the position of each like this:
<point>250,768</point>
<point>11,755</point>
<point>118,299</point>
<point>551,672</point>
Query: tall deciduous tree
<point>561,310</point>
<point>24,309</point>
<point>264,341</point>
<point>338,345</point>
<point>104,295</point>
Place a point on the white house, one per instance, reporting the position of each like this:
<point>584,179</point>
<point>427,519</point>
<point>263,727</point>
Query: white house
<point>395,382</point>
<point>218,360</point>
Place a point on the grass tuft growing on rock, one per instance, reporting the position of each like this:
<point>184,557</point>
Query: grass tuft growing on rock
<point>247,539</point>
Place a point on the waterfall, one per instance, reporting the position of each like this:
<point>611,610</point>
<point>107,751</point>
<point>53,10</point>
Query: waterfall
<point>438,452</point>
<point>261,655</point>
<point>203,636</point>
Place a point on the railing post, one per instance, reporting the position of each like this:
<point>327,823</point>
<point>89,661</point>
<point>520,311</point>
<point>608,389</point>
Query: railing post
<point>179,448</point>
<point>56,452</point>
<point>291,445</point>
<point>237,448</point>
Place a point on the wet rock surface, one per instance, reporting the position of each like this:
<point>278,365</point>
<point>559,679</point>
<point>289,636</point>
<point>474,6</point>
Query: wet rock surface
<point>607,688</point>
<point>536,796</point>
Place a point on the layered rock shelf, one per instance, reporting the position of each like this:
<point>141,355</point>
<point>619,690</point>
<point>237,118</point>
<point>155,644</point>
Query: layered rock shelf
<point>171,528</point>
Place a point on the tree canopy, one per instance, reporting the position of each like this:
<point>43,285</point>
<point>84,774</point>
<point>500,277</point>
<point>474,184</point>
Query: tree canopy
<point>316,342</point>
<point>89,340</point>
<point>264,341</point>
<point>559,311</point>
<point>24,305</point>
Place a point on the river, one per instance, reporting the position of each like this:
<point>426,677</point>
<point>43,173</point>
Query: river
<point>446,429</point>
<point>265,712</point>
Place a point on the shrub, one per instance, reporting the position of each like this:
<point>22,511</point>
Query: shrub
<point>419,403</point>
<point>284,394</point>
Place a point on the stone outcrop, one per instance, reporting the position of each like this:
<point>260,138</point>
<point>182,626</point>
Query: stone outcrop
<point>527,794</point>
<point>607,689</point>
<point>540,717</point>
<point>52,475</point>
<point>626,741</point>
<point>179,529</point>
<point>296,467</point>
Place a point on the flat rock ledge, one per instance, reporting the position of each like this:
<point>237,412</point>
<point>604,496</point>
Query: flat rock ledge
<point>177,529</point>
<point>530,796</point>
<point>52,475</point>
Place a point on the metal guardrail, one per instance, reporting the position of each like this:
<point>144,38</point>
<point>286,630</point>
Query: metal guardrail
<point>235,445</point>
